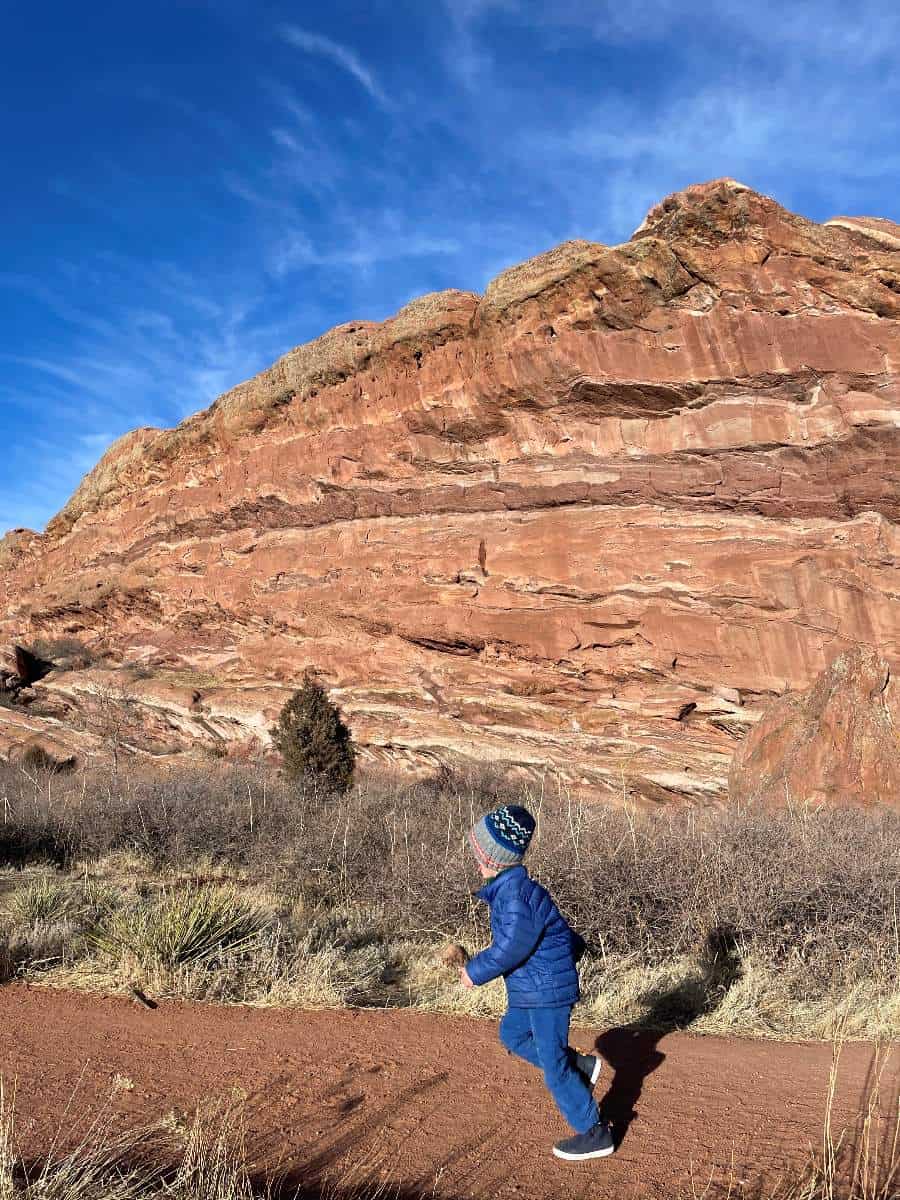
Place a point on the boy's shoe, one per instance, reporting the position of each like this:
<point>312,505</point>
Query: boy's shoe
<point>590,1066</point>
<point>596,1143</point>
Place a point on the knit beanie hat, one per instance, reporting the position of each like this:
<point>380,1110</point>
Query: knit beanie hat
<point>501,837</point>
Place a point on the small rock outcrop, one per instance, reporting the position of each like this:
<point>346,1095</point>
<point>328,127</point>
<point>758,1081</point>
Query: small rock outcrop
<point>837,743</point>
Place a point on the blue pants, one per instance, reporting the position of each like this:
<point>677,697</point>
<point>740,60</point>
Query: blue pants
<point>541,1037</point>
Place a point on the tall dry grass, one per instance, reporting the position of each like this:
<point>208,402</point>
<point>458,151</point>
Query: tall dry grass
<point>360,890</point>
<point>205,1160</point>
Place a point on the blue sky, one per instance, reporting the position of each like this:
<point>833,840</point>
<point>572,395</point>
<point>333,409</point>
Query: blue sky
<point>192,187</point>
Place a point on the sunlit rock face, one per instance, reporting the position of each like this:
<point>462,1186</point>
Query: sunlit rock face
<point>837,743</point>
<point>585,526</point>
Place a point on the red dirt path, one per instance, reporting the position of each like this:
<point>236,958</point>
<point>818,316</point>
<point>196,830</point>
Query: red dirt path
<point>433,1102</point>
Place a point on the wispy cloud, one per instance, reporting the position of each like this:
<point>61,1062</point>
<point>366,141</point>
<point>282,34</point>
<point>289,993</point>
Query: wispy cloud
<point>307,161</point>
<point>257,197</point>
<point>809,29</point>
<point>150,361</point>
<point>771,139</point>
<point>282,95</point>
<point>768,92</point>
<point>57,303</point>
<point>345,58</point>
<point>367,247</point>
<point>222,127</point>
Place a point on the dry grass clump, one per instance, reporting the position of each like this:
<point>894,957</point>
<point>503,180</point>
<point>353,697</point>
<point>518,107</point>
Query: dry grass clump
<point>204,1160</point>
<point>213,1164</point>
<point>362,889</point>
<point>203,1157</point>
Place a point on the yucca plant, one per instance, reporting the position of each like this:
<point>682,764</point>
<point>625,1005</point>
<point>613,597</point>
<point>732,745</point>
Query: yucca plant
<point>180,927</point>
<point>43,901</point>
<point>98,899</point>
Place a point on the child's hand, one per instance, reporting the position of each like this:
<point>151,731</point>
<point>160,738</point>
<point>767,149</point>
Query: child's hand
<point>454,955</point>
<point>464,978</point>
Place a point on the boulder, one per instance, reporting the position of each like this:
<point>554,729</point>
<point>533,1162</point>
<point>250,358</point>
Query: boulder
<point>836,743</point>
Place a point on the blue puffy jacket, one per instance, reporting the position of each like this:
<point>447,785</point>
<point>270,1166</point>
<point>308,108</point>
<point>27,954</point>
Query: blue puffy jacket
<point>533,948</point>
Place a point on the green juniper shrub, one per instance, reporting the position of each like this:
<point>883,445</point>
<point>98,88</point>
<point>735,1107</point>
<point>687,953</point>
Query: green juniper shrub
<point>313,740</point>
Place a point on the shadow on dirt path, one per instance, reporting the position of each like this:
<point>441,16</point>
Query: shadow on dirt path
<point>353,1134</point>
<point>633,1050</point>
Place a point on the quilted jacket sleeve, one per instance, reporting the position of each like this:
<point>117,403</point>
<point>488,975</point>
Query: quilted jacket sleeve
<point>516,933</point>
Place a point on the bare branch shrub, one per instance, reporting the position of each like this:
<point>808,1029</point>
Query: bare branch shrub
<point>65,653</point>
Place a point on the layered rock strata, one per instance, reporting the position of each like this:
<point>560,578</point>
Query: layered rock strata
<point>585,526</point>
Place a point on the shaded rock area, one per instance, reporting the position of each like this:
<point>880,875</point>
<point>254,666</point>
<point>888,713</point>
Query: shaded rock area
<point>21,670</point>
<point>837,743</point>
<point>30,667</point>
<point>589,524</point>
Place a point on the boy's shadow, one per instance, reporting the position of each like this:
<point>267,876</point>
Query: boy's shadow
<point>632,1050</point>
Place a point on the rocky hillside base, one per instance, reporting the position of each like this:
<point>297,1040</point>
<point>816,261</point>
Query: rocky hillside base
<point>586,527</point>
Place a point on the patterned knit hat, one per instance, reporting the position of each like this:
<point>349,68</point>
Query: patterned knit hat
<point>501,837</point>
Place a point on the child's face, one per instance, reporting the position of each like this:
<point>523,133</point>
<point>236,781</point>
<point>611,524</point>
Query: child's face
<point>486,872</point>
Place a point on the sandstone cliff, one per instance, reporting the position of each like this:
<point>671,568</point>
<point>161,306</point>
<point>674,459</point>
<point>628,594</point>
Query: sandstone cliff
<point>593,520</point>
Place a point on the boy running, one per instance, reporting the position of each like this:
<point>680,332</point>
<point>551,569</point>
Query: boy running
<point>535,951</point>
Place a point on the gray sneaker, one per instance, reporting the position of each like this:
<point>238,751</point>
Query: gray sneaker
<point>590,1066</point>
<point>596,1143</point>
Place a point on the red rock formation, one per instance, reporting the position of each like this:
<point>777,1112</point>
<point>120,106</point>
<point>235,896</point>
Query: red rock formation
<point>533,528</point>
<point>838,743</point>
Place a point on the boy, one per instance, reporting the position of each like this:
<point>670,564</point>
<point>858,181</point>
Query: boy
<point>535,951</point>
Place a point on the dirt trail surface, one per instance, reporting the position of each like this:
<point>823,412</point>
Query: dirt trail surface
<point>433,1103</point>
